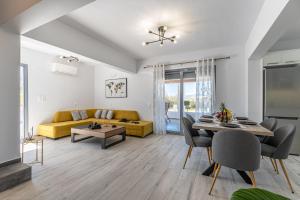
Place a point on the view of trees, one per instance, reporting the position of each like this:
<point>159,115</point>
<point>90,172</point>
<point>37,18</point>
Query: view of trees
<point>189,103</point>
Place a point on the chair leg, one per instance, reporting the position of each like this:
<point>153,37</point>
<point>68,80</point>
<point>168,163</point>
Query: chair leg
<point>191,151</point>
<point>215,178</point>
<point>214,170</point>
<point>187,156</point>
<point>210,150</point>
<point>252,177</point>
<point>286,175</point>
<point>272,161</point>
<point>275,162</point>
<point>208,155</point>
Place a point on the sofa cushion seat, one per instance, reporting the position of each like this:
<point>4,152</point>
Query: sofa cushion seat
<point>60,129</point>
<point>141,129</point>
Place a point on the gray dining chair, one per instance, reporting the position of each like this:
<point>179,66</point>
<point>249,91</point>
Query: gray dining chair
<point>195,141</point>
<point>270,124</point>
<point>190,117</point>
<point>206,133</point>
<point>235,149</point>
<point>278,147</point>
<point>194,132</point>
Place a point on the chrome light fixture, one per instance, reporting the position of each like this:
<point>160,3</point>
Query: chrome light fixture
<point>161,36</point>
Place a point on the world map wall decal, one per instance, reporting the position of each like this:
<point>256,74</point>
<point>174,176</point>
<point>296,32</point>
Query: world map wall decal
<point>116,88</point>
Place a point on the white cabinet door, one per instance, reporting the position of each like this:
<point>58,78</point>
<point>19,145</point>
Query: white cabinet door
<point>291,56</point>
<point>282,57</point>
<point>272,58</point>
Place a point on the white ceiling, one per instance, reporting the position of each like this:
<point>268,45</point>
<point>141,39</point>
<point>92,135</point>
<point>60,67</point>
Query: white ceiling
<point>201,24</point>
<point>293,33</point>
<point>291,37</point>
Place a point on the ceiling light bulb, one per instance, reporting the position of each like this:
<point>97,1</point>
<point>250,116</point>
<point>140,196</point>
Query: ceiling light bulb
<point>177,36</point>
<point>144,43</point>
<point>161,44</point>
<point>174,41</point>
<point>165,28</point>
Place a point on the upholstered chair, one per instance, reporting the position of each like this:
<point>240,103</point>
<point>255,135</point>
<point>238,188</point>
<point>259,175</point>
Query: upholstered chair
<point>194,141</point>
<point>278,148</point>
<point>206,133</point>
<point>235,149</point>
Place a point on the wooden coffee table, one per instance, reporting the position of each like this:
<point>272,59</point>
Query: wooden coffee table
<point>104,133</point>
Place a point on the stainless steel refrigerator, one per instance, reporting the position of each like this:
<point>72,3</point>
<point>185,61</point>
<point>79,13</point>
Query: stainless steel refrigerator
<point>282,97</point>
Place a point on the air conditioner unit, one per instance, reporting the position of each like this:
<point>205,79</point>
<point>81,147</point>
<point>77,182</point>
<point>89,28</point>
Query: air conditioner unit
<point>64,69</point>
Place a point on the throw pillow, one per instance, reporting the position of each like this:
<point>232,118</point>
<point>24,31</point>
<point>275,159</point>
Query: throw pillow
<point>83,114</point>
<point>98,114</point>
<point>103,114</point>
<point>75,115</point>
<point>110,114</point>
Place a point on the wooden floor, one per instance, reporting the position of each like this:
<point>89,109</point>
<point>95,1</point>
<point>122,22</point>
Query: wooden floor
<point>140,168</point>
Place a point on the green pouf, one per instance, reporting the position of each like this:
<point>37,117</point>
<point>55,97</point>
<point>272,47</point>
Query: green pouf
<point>256,194</point>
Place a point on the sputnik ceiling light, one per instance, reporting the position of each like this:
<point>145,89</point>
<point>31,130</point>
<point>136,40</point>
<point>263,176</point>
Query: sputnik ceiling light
<point>161,36</point>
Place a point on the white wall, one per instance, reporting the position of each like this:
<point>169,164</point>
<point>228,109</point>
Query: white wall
<point>269,13</point>
<point>50,92</point>
<point>41,13</point>
<point>231,74</point>
<point>230,81</point>
<point>9,95</point>
<point>140,90</point>
<point>274,19</point>
<point>61,35</point>
<point>255,90</point>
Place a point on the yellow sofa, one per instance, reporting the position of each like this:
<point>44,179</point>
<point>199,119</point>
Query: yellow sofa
<point>63,122</point>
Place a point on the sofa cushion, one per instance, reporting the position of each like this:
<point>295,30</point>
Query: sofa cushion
<point>83,114</point>
<point>91,112</point>
<point>126,114</point>
<point>62,116</point>
<point>60,129</point>
<point>98,114</point>
<point>110,114</point>
<point>75,115</point>
<point>103,114</point>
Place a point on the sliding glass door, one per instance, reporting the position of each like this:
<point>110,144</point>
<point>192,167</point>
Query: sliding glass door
<point>172,105</point>
<point>23,100</point>
<point>180,97</point>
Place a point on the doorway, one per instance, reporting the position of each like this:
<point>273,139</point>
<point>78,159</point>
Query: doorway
<point>23,100</point>
<point>180,97</point>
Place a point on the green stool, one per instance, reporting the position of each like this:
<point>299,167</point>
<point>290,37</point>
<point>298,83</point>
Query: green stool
<point>255,194</point>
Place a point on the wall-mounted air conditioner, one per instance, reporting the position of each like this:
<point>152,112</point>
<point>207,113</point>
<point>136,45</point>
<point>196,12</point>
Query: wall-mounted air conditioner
<point>64,69</point>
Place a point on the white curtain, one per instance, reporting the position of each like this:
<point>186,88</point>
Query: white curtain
<point>159,99</point>
<point>205,87</point>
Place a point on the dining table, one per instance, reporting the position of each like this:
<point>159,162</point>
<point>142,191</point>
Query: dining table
<point>215,126</point>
